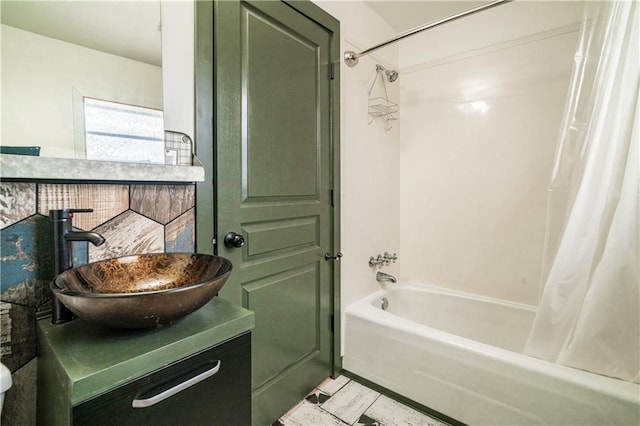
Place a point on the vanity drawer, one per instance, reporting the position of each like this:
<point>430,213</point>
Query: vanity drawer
<point>220,393</point>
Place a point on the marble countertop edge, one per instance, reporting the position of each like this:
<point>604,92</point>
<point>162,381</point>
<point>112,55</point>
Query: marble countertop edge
<point>49,168</point>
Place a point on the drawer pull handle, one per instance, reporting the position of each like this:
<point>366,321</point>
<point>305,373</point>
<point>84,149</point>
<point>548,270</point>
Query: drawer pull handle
<point>148,402</point>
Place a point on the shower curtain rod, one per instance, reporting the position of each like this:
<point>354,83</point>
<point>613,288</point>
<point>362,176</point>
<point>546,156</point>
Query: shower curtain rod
<point>351,58</point>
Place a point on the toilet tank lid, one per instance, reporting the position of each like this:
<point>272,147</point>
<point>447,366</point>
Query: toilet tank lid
<point>5,378</point>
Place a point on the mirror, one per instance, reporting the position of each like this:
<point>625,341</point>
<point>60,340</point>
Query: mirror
<point>57,53</point>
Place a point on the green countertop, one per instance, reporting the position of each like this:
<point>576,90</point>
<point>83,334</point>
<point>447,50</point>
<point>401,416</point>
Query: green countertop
<point>87,359</point>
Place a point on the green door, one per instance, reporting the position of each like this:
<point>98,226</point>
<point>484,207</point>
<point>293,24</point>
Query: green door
<point>274,191</point>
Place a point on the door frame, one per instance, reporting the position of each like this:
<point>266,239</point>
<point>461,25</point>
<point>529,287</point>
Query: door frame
<point>205,139</point>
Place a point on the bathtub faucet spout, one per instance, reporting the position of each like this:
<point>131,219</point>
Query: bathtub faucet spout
<point>382,277</point>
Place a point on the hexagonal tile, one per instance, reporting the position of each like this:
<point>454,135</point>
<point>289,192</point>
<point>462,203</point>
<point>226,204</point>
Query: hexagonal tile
<point>162,203</point>
<point>17,202</point>
<point>107,201</point>
<point>25,262</point>
<point>129,233</point>
<point>180,234</point>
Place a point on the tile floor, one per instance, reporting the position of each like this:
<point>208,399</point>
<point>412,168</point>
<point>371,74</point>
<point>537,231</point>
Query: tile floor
<point>343,402</point>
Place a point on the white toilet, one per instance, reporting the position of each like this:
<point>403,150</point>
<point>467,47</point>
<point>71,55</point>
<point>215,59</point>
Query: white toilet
<point>5,382</point>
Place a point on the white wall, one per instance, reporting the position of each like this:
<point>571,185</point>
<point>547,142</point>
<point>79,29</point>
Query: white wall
<point>40,76</point>
<point>479,131</point>
<point>463,192</point>
<point>370,182</point>
<point>476,168</point>
<point>369,153</point>
<point>178,73</point>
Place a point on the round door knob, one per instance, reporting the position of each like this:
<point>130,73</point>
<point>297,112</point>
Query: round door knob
<point>233,240</point>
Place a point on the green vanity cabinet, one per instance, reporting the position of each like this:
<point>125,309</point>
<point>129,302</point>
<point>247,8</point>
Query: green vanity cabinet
<point>194,371</point>
<point>223,398</point>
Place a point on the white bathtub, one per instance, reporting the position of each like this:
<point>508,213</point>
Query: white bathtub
<point>458,354</point>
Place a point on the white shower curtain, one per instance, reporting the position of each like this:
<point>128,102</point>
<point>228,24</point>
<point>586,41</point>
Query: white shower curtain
<point>588,316</point>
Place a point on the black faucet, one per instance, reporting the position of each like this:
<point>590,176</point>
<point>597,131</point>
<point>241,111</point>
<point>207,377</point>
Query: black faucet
<point>62,234</point>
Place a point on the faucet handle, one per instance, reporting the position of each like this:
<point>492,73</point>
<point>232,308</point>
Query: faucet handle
<point>72,211</point>
<point>64,214</point>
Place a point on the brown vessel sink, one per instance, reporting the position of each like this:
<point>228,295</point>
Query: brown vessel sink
<point>143,290</point>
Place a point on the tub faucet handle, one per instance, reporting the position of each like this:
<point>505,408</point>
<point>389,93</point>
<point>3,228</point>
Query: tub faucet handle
<point>379,260</point>
<point>388,258</point>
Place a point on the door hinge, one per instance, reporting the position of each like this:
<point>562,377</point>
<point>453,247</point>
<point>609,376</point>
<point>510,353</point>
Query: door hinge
<point>332,72</point>
<point>331,197</point>
<point>333,323</point>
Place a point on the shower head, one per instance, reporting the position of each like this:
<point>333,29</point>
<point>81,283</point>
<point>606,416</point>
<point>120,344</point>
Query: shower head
<point>391,75</point>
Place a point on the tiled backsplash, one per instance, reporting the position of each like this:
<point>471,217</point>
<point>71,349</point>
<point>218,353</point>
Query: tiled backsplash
<point>132,218</point>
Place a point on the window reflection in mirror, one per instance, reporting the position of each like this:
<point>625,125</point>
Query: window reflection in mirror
<point>121,132</point>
